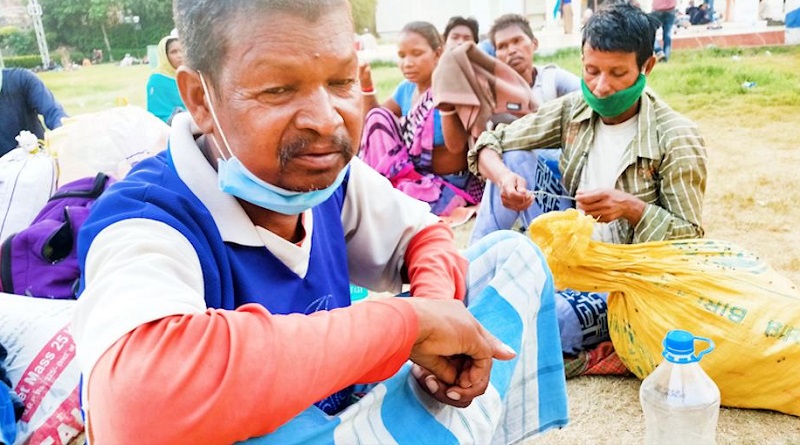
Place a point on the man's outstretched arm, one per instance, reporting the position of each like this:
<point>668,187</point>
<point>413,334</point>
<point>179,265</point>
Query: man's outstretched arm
<point>43,101</point>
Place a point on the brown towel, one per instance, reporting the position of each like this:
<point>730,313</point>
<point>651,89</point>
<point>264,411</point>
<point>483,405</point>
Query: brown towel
<point>478,85</point>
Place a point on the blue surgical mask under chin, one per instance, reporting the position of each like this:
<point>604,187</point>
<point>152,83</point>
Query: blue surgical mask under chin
<point>235,179</point>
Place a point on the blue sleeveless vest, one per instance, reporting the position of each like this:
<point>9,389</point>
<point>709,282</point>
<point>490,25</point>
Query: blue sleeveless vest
<point>233,274</point>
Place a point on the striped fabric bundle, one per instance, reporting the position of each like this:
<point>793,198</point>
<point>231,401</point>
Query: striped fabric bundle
<point>511,292</point>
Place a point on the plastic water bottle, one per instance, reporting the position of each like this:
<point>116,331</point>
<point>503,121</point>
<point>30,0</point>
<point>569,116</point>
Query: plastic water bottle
<point>748,84</point>
<point>680,401</point>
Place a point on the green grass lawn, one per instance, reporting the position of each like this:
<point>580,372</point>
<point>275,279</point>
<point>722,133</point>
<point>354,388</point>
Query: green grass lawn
<point>697,83</point>
<point>98,87</point>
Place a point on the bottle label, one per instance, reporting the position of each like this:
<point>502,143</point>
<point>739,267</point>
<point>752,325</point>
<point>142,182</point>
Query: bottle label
<point>670,393</point>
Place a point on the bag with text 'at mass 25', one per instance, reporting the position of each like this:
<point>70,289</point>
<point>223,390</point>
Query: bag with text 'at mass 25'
<point>41,366</point>
<point>714,289</point>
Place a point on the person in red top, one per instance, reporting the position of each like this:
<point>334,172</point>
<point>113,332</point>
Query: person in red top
<point>177,348</point>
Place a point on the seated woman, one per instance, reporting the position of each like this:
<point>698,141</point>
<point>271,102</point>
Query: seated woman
<point>421,150</point>
<point>163,99</point>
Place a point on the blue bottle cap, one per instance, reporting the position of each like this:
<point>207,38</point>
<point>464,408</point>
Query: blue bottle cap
<point>679,347</point>
<point>679,342</point>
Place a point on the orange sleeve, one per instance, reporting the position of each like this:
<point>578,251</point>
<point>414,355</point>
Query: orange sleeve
<point>226,376</point>
<point>435,268</point>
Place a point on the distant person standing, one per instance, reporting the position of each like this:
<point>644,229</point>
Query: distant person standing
<point>23,97</point>
<point>567,16</point>
<point>163,98</point>
<point>664,12</point>
<point>97,56</point>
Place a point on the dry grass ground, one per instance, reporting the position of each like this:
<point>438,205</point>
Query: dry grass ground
<point>753,198</point>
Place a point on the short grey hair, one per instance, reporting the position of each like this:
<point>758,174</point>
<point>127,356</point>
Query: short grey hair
<point>202,25</point>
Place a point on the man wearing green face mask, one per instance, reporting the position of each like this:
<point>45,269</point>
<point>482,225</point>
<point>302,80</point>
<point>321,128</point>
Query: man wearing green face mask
<point>628,159</point>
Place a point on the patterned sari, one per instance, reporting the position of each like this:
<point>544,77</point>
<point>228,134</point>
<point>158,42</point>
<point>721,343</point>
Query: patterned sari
<point>402,150</point>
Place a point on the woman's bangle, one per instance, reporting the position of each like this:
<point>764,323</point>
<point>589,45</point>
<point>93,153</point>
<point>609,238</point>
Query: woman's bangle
<point>447,113</point>
<point>368,91</point>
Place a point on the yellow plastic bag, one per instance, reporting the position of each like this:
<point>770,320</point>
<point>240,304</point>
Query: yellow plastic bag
<point>710,288</point>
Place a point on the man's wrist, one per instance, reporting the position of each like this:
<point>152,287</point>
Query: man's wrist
<point>635,210</point>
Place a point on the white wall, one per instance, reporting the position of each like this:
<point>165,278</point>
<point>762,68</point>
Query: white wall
<point>793,33</point>
<point>392,15</point>
<point>744,11</point>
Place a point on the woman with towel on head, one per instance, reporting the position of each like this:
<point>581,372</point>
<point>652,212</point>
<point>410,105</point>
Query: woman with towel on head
<point>419,148</point>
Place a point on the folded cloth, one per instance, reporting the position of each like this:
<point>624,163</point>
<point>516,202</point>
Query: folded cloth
<point>479,86</point>
<point>601,360</point>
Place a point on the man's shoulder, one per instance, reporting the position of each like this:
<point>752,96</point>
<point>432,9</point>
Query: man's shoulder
<point>671,127</point>
<point>17,75</point>
<point>550,67</point>
<point>405,84</point>
<point>666,116</point>
<point>150,185</point>
<point>159,78</point>
<point>570,105</point>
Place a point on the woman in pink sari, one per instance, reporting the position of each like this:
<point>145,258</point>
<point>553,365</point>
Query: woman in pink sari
<point>421,149</point>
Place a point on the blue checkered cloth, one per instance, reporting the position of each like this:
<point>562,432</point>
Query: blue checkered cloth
<point>510,291</point>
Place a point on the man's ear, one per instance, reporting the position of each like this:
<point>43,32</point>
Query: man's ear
<point>194,97</point>
<point>535,44</point>
<point>648,65</point>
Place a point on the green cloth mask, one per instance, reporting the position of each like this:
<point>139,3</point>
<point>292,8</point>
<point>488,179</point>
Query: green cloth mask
<point>617,103</point>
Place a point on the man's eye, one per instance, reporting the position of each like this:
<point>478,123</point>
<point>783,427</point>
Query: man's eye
<point>276,90</point>
<point>344,83</point>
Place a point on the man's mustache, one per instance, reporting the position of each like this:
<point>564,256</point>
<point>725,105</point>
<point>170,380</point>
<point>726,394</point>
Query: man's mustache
<point>299,145</point>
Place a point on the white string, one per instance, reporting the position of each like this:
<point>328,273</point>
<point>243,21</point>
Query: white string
<point>216,121</point>
<point>542,193</point>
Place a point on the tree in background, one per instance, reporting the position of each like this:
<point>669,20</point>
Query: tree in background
<point>15,41</point>
<point>364,15</point>
<point>88,24</point>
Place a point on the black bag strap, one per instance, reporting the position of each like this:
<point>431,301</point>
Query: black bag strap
<point>98,186</point>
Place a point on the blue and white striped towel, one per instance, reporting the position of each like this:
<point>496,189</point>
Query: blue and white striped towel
<point>511,293</point>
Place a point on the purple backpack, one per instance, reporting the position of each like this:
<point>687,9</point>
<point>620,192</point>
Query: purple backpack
<point>41,260</point>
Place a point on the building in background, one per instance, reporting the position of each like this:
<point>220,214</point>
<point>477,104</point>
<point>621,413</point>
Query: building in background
<point>793,22</point>
<point>391,15</point>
